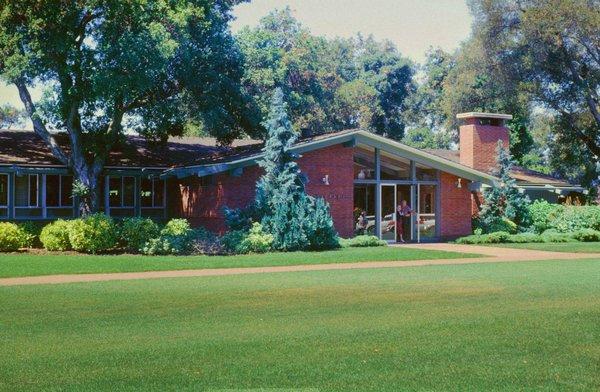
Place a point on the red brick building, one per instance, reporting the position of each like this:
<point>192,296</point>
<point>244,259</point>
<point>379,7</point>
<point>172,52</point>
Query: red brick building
<point>354,171</point>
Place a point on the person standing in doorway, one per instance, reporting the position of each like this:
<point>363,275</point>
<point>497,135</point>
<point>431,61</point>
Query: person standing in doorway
<point>403,214</point>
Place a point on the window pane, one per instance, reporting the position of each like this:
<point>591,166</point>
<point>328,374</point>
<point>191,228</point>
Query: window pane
<point>128,191</point>
<point>3,190</point>
<point>394,168</point>
<point>66,191</point>
<point>114,192</point>
<point>33,190</point>
<point>21,191</point>
<point>364,164</point>
<point>364,209</point>
<point>427,199</point>
<point>159,193</point>
<point>52,190</point>
<point>426,174</point>
<point>146,193</point>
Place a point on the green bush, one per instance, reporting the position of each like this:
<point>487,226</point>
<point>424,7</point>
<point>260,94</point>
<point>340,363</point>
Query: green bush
<point>552,235</point>
<point>135,232</point>
<point>12,237</point>
<point>232,239</point>
<point>96,233</point>
<point>256,241</point>
<point>55,236</point>
<point>33,231</point>
<point>474,239</point>
<point>362,241</point>
<point>587,235</point>
<point>499,237</point>
<point>502,225</point>
<point>542,214</point>
<point>573,218</point>
<point>523,238</point>
<point>175,238</point>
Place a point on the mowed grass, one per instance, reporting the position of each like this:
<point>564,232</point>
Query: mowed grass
<point>571,247</point>
<point>32,264</point>
<point>504,326</point>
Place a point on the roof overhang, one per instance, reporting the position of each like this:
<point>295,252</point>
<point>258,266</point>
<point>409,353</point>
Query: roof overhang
<point>351,138</point>
<point>558,189</point>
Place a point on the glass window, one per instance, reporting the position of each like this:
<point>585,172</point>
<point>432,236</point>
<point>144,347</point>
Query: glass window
<point>26,190</point>
<point>121,191</point>
<point>426,173</point>
<point>3,190</point>
<point>152,193</point>
<point>66,191</point>
<point>364,209</point>
<point>364,163</point>
<point>58,190</point>
<point>128,191</point>
<point>394,168</point>
<point>114,191</point>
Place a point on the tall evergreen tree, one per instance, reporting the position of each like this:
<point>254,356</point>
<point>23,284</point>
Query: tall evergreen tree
<point>504,201</point>
<point>280,194</point>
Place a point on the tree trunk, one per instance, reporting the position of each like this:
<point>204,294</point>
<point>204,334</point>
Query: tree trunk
<point>90,200</point>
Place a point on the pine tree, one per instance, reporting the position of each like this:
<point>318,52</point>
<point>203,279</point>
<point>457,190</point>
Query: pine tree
<point>320,230</point>
<point>504,201</point>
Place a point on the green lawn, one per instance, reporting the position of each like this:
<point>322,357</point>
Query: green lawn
<point>575,247</point>
<point>504,326</point>
<point>29,264</point>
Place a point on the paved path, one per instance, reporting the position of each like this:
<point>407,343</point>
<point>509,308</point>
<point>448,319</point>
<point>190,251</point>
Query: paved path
<point>491,255</point>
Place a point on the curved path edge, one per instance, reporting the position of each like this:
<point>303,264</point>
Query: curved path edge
<point>490,255</point>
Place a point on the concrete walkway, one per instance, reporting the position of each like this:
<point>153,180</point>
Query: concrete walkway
<point>491,255</point>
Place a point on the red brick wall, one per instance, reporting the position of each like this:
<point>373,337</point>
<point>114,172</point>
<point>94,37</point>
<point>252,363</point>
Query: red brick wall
<point>203,205</point>
<point>455,214</point>
<point>478,145</point>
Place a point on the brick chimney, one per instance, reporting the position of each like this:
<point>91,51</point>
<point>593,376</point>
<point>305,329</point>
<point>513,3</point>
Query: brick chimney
<point>479,135</point>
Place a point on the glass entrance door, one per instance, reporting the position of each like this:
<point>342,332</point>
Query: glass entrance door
<point>387,213</point>
<point>426,212</point>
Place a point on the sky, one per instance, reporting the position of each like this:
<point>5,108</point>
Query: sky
<point>413,25</point>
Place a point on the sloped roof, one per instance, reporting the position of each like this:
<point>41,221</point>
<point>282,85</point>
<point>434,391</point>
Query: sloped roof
<point>522,175</point>
<point>27,148</point>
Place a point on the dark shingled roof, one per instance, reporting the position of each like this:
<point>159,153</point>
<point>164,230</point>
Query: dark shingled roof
<point>26,148</point>
<point>521,174</point>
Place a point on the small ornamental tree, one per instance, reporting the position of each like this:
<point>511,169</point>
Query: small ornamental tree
<point>504,201</point>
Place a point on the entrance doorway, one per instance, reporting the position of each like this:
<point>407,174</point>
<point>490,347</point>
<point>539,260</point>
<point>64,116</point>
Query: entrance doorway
<point>393,229</point>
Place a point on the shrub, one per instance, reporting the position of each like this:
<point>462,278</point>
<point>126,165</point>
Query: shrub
<point>175,238</point>
<point>256,241</point>
<point>361,241</point>
<point>96,233</point>
<point>523,238</point>
<point>587,235</point>
<point>232,239</point>
<point>542,214</point>
<point>573,218</point>
<point>502,225</point>
<point>135,232</point>
<point>55,236</point>
<point>320,231</point>
<point>552,235</point>
<point>498,237</point>
<point>12,237</point>
<point>206,242</point>
<point>32,231</point>
<point>472,239</point>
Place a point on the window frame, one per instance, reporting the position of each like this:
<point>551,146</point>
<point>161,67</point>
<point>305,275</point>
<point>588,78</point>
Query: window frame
<point>60,190</point>
<point>153,206</point>
<point>7,190</point>
<point>37,195</point>
<point>122,192</point>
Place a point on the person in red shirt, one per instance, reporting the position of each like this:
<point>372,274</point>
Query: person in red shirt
<point>403,214</point>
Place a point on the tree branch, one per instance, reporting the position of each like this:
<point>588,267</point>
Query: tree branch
<point>38,126</point>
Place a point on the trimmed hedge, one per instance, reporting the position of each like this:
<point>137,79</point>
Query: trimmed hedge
<point>362,241</point>
<point>564,219</point>
<point>93,234</point>
<point>12,237</point>
<point>55,236</point>
<point>135,232</point>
